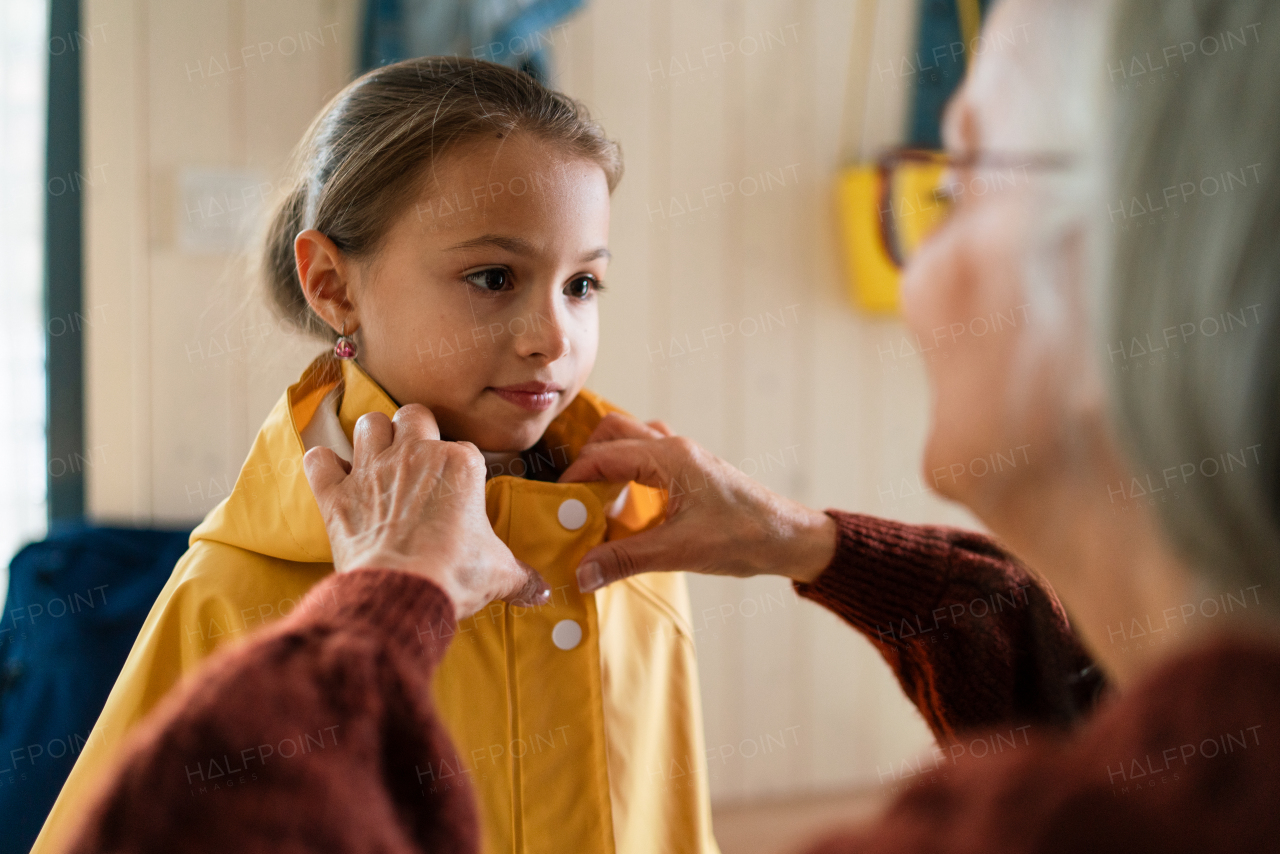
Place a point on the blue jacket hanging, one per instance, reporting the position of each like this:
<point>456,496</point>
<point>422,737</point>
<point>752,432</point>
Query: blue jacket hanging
<point>515,33</point>
<point>940,64</point>
<point>76,602</point>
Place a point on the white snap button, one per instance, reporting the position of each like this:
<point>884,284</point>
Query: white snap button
<point>567,634</point>
<point>572,514</point>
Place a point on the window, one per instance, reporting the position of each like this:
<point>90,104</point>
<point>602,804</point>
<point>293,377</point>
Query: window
<point>23,69</point>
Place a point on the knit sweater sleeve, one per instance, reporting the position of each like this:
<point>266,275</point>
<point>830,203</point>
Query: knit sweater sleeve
<point>973,637</point>
<point>316,734</point>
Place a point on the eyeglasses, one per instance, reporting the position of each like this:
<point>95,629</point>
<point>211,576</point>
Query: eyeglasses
<point>918,189</point>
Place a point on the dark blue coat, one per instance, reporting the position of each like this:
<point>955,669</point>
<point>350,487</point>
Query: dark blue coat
<point>76,602</point>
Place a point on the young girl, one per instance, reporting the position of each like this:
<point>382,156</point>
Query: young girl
<point>449,232</point>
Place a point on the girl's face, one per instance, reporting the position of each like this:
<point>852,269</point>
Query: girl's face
<point>480,303</point>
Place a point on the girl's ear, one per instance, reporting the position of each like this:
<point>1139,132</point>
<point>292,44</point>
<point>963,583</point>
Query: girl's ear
<point>324,274</point>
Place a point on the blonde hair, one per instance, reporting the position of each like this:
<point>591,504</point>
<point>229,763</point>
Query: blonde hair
<point>365,156</point>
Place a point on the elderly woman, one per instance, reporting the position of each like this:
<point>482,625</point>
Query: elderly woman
<point>1150,507</point>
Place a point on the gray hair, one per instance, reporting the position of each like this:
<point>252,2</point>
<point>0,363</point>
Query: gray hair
<point>1191,309</point>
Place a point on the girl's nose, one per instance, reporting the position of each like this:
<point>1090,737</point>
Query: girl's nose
<point>544,336</point>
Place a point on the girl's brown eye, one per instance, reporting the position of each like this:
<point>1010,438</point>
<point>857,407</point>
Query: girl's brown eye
<point>493,279</point>
<point>580,287</point>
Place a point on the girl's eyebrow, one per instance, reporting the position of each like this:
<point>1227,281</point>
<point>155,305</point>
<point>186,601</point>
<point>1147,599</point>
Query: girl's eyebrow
<point>519,246</point>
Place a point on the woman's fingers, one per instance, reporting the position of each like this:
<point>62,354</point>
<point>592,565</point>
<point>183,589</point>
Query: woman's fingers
<point>651,551</point>
<point>719,521</point>
<point>325,470</point>
<point>615,425</point>
<point>661,427</point>
<point>527,587</point>
<point>414,421</point>
<point>653,462</point>
<point>373,435</point>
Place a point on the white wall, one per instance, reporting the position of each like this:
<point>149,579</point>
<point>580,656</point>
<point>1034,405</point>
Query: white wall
<point>185,362</point>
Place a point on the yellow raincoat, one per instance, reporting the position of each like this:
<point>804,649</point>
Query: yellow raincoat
<point>568,719</point>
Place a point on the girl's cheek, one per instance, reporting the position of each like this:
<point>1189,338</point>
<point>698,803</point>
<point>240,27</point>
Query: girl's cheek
<point>589,339</point>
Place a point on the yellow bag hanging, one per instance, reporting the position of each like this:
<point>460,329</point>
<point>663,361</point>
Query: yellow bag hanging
<point>862,198</point>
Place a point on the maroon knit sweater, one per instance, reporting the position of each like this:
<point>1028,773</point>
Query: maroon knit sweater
<point>307,737</point>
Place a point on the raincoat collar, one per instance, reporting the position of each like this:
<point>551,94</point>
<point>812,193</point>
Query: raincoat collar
<point>271,509</point>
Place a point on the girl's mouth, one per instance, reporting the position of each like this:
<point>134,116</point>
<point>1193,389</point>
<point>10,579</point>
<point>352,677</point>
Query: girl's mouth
<point>533,397</point>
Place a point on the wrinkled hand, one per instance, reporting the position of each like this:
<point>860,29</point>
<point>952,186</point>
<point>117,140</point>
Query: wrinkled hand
<point>411,502</point>
<point>719,521</point>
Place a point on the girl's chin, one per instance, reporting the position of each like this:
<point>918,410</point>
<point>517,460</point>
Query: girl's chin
<point>511,440</point>
<point>495,426</point>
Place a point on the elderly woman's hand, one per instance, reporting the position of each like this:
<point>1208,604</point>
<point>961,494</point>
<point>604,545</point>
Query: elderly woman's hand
<point>719,521</point>
<point>411,502</point>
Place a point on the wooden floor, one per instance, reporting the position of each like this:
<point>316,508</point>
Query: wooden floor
<point>783,827</point>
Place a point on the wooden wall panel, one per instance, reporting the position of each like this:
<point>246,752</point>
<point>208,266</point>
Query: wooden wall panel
<point>195,118</point>
<point>628,112</point>
<point>117,351</point>
<point>838,732</point>
<point>226,85</point>
<point>327,34</point>
<point>771,121</point>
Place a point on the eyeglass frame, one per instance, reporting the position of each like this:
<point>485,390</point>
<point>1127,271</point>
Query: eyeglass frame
<point>890,160</point>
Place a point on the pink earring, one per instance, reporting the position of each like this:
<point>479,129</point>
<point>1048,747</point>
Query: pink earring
<point>345,348</point>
